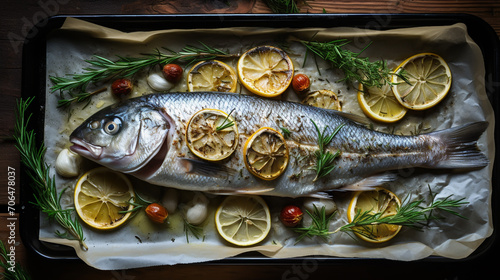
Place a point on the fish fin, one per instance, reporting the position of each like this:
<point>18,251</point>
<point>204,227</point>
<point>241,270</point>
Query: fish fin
<point>320,195</point>
<point>353,117</point>
<point>253,191</point>
<point>204,168</point>
<point>369,183</point>
<point>461,146</point>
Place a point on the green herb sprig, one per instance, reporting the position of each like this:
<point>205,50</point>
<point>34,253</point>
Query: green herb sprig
<point>78,97</point>
<point>101,68</point>
<point>11,272</point>
<point>138,202</point>
<point>411,214</point>
<point>319,227</point>
<point>325,160</point>
<point>42,184</point>
<point>283,6</point>
<point>226,123</point>
<point>354,67</point>
<point>196,231</point>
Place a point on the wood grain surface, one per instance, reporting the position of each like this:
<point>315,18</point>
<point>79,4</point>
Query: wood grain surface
<point>18,18</point>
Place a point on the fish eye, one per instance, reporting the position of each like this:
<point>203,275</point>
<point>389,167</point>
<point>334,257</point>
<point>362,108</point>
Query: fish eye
<point>95,125</point>
<point>112,127</point>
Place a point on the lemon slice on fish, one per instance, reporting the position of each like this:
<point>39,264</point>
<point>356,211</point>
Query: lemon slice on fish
<point>377,201</point>
<point>430,80</point>
<point>100,195</point>
<point>212,75</point>
<point>380,104</point>
<point>266,154</point>
<point>324,98</point>
<point>265,70</point>
<point>243,220</point>
<point>212,134</point>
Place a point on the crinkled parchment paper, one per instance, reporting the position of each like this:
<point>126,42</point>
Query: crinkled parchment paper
<point>140,243</point>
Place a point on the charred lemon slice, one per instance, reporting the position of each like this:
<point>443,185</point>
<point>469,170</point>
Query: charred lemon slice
<point>430,80</point>
<point>324,98</point>
<point>100,196</point>
<point>380,104</point>
<point>243,220</point>
<point>212,75</point>
<point>212,134</point>
<point>265,153</point>
<point>377,201</point>
<point>265,70</point>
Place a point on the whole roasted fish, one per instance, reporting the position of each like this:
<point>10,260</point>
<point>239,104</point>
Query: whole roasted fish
<point>145,137</point>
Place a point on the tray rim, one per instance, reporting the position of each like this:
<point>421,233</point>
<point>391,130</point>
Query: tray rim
<point>34,50</point>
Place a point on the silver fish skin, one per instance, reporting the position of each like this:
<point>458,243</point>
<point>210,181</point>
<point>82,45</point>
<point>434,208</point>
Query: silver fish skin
<point>145,137</point>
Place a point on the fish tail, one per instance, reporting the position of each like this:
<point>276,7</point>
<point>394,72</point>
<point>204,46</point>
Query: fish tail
<point>460,146</point>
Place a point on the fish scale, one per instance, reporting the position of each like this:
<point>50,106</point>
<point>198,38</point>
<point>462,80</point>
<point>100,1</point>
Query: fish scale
<point>365,154</point>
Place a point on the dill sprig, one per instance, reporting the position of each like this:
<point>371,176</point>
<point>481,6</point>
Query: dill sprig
<point>11,272</point>
<point>42,184</point>
<point>354,67</point>
<point>319,227</point>
<point>325,160</point>
<point>101,68</point>
<point>283,6</point>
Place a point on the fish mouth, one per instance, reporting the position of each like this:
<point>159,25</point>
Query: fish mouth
<point>85,149</point>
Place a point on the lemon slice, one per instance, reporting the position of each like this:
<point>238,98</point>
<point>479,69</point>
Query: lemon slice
<point>323,99</point>
<point>265,70</point>
<point>206,139</point>
<point>243,220</point>
<point>100,194</point>
<point>379,200</point>
<point>266,154</point>
<point>430,80</point>
<point>212,75</point>
<point>380,104</point>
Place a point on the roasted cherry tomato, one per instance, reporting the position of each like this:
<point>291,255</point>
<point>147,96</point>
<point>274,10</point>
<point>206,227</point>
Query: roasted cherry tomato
<point>121,87</point>
<point>156,213</point>
<point>291,215</point>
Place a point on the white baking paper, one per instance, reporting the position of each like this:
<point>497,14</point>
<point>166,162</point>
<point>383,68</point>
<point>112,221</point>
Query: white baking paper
<point>140,243</point>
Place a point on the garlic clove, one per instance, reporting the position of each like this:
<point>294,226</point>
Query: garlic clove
<point>170,200</point>
<point>68,163</point>
<point>196,214</point>
<point>158,82</point>
<point>197,209</point>
<point>329,204</point>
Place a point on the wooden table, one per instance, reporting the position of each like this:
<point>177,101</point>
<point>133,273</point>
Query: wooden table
<point>18,18</point>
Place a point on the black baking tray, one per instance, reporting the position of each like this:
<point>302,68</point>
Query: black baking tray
<point>34,84</point>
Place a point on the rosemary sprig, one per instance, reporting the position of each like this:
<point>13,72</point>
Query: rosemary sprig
<point>11,271</point>
<point>78,97</point>
<point>286,132</point>
<point>355,68</point>
<point>283,6</point>
<point>325,160</point>
<point>225,124</point>
<point>103,69</point>
<point>138,202</point>
<point>196,231</point>
<point>411,214</point>
<point>42,184</point>
<point>319,227</point>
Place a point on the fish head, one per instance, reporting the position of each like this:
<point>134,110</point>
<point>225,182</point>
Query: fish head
<point>123,137</point>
